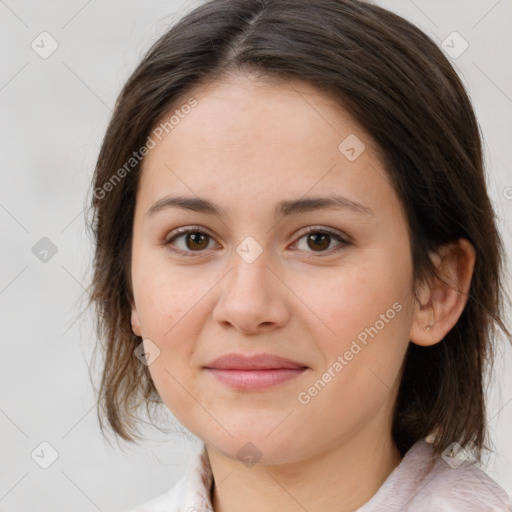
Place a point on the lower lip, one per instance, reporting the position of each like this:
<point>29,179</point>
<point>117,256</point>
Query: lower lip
<point>255,379</point>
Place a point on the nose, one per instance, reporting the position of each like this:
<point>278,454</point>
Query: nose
<point>252,298</point>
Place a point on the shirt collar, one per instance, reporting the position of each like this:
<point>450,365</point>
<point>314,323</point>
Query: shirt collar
<point>199,478</point>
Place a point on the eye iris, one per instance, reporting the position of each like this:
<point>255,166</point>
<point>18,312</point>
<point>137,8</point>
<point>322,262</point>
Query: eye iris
<point>323,239</point>
<point>196,238</point>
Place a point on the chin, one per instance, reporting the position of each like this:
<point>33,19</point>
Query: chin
<point>252,446</point>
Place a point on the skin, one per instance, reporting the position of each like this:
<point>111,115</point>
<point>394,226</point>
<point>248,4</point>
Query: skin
<point>246,146</point>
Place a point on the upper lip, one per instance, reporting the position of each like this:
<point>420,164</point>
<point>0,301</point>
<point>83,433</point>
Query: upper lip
<point>254,362</point>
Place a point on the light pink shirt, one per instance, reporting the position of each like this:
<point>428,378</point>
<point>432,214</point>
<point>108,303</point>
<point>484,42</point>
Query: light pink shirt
<point>450,486</point>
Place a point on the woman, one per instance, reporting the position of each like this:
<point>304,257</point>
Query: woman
<point>297,255</point>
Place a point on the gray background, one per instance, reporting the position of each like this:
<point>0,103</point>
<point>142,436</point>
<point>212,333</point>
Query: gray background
<point>54,114</point>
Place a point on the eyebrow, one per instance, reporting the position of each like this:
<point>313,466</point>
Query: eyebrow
<point>284,208</point>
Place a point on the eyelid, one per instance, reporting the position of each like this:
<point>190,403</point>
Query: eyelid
<point>343,238</point>
<point>344,241</point>
<point>188,229</point>
<point>183,231</point>
<point>324,229</point>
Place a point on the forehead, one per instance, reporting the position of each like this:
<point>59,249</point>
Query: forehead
<point>250,139</point>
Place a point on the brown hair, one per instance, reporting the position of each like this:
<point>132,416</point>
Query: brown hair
<point>399,86</point>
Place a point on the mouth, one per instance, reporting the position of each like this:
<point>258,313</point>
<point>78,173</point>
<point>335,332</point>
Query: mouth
<point>255,372</point>
<point>255,379</point>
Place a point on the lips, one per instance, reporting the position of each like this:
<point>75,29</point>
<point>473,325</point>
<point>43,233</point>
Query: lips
<point>255,362</point>
<point>254,373</point>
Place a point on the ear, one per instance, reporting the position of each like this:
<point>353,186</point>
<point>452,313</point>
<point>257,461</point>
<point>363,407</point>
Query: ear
<point>135,320</point>
<point>441,302</point>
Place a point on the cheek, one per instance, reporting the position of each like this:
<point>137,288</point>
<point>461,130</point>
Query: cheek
<point>165,317</point>
<point>163,297</point>
<point>362,363</point>
<point>169,307</point>
<point>366,321</point>
<point>350,299</point>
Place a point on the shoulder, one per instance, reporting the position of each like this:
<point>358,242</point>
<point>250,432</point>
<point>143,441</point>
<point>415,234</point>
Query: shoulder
<point>190,493</point>
<point>167,502</point>
<point>452,487</point>
<point>446,485</point>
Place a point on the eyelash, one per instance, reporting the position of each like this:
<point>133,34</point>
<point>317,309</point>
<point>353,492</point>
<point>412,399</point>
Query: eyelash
<point>313,229</point>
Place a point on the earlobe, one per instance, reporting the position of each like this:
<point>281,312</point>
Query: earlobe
<point>135,321</point>
<point>424,330</point>
<point>440,303</point>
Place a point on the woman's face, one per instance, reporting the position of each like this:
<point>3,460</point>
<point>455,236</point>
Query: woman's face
<point>252,281</point>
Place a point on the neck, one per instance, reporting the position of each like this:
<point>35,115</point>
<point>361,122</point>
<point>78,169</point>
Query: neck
<point>341,478</point>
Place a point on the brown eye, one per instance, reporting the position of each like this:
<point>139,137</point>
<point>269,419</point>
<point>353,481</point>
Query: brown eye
<point>191,240</point>
<point>318,241</point>
<point>196,240</point>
